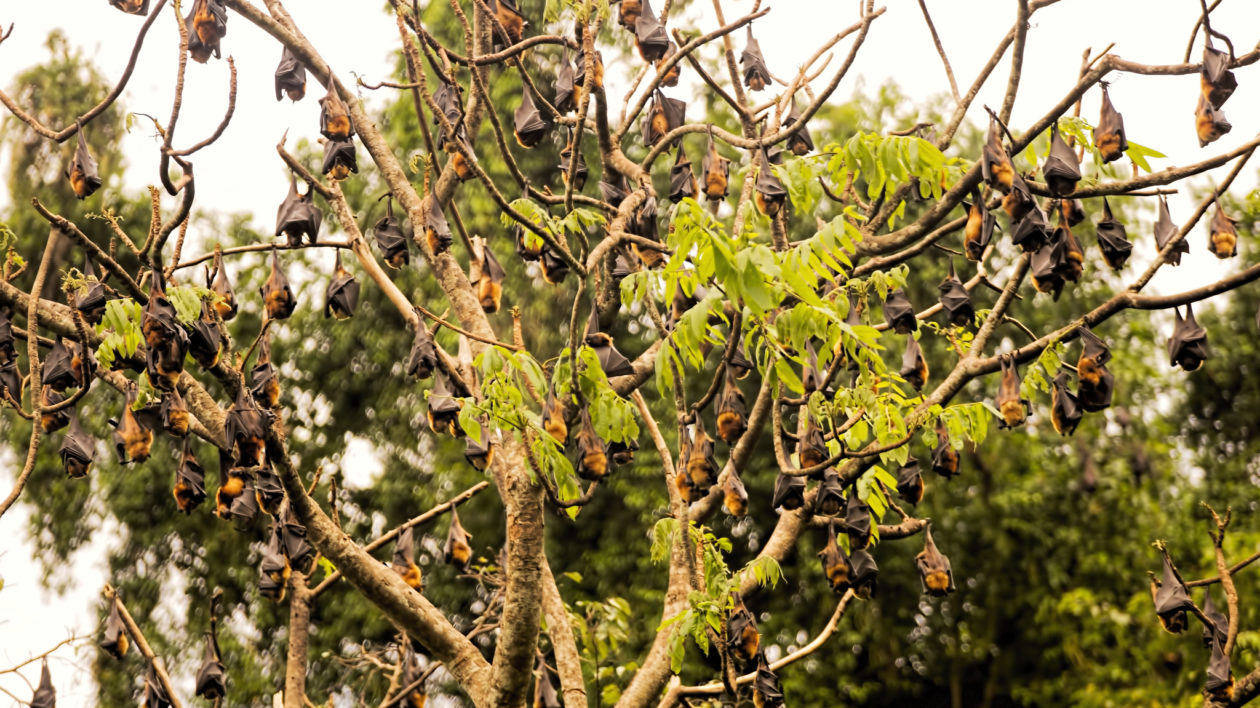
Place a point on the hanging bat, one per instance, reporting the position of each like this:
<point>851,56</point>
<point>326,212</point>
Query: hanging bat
<point>132,7</point>
<point>955,300</point>
<point>293,536</point>
<point>597,75</point>
<point>837,567</point>
<point>45,695</point>
<point>756,74</point>
<point>716,170</point>
<point>857,520</point>
<point>682,181</point>
<point>1014,409</point>
<point>479,455</point>
<point>437,233</point>
<point>544,692</point>
<point>649,34</point>
<point>404,563</point>
<point>934,568</point>
<point>234,484</point>
<point>1095,383</point>
<point>1216,81</point>
<point>486,275</point>
<point>334,117</point>
<point>978,231</point>
<point>1109,136</point>
<point>205,341</point>
<point>682,482</point>
<point>1048,264</point>
<point>411,673</point>
<point>77,451</point>
<point>8,352</point>
<point>663,114</point>
<point>1018,201</point>
<point>339,159</point>
<point>1188,347</point>
<point>1166,231</point>
<point>115,641</point>
<point>274,569</point>
<point>739,363</point>
<point>450,101</point>
<point>390,238</point>
<point>1065,412</point>
<point>90,299</point>
<point>174,413</point>
<point>829,498</point>
<point>865,573</point>
<point>1073,264</point>
<point>244,428</point>
<point>510,19</point>
<point>554,269</point>
<point>800,142</point>
<point>995,163</point>
<point>1222,235</point>
<point>218,283</point>
<point>766,690</point>
<point>83,174</point>
<point>734,495</point>
<point>1172,601</point>
<point>622,451</point>
<point>422,359</point>
<point>770,194</point>
<point>530,126</point>
<point>444,406</point>
<point>211,683</point>
<point>277,296</point>
<point>553,418</point>
<point>155,695</point>
<point>1220,680</point>
<point>457,551</point>
<point>610,360</point>
<point>52,421</point>
<point>268,491</point>
<point>10,379</point>
<point>672,74</point>
<point>644,225</point>
<point>207,25</point>
<point>190,481</point>
<point>614,190</point>
<point>566,161</point>
<point>742,640</point>
<point>1112,239</point>
<point>628,15</point>
<point>1219,630</point>
<point>910,481</point>
<point>701,466</point>
<point>290,77</point>
<point>564,85</point>
<point>945,459</point>
<point>1071,211</point>
<point>812,450</point>
<point>789,492</point>
<point>1061,168</point>
<point>132,439</point>
<point>58,373</point>
<point>342,295</point>
<point>914,368</point>
<point>1209,122</point>
<point>732,410</point>
<point>297,217</point>
<point>899,313</point>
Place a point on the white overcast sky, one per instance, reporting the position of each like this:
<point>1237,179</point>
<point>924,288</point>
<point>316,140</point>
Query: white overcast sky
<point>242,173</point>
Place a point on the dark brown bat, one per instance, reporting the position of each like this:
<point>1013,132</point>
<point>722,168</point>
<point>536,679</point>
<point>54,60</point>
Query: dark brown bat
<point>1073,264</point>
<point>682,181</point>
<point>766,690</point>
<point>789,492</point>
<point>205,341</point>
<point>51,421</point>
<point>672,74</point>
<point>404,563</point>
<point>914,368</point>
<point>58,373</point>
<point>115,640</point>
<point>274,569</point>
<point>77,451</point>
<point>610,360</point>
<point>829,497</point>
<point>411,673</point>
<point>1222,235</point>
<point>235,484</point>
<point>865,573</point>
<point>544,692</point>
<point>1219,629</point>
<point>1048,264</point>
<point>510,19</point>
<point>1014,409</point>
<point>564,85</point>
<point>910,481</point>
<point>450,102</point>
<point>207,25</point>
<point>342,295</point>
<point>211,683</point>
<point>486,275</point>
<point>899,313</point>
<point>422,359</point>
<point>955,300</point>
<point>662,115</point>
<point>978,231</point>
<point>857,521</point>
<point>1061,168</point>
<point>268,491</point>
<point>945,459</point>
<point>90,299</point>
<point>700,463</point>
<point>734,495</point>
<point>278,298</point>
<point>1210,123</point>
<point>290,77</point>
<point>167,341</point>
<point>174,413</point>
<point>1071,211</point>
<point>155,695</point>
<point>530,126</point>
<point>1172,601</point>
<point>444,405</point>
<point>1188,347</point>
<point>739,362</point>
<point>800,142</point>
<point>8,352</point>
<point>457,551</point>
<point>622,451</point>
<point>836,565</point>
<point>1095,382</point>
<point>1065,412</point>
<point>334,116</point>
<point>10,379</point>
<point>190,481</point>
<point>756,74</point>
<point>297,216</point>
<point>649,34</point>
<point>682,482</point>
<point>293,535</point>
<point>742,640</point>
<point>995,163</point>
<point>1216,81</point>
<point>732,410</point>
<point>1220,680</point>
<point>45,695</point>
<point>339,159</point>
<point>132,7</point>
<point>437,233</point>
<point>934,568</point>
<point>390,238</point>
<point>812,450</point>
<point>597,75</point>
<point>1019,201</point>
<point>554,269</point>
<point>1112,239</point>
<point>716,171</point>
<point>479,455</point>
<point>566,161</point>
<point>770,194</point>
<point>553,418</point>
<point>1166,231</point>
<point>244,428</point>
<point>132,439</point>
<point>83,174</point>
<point>1109,136</point>
<point>220,285</point>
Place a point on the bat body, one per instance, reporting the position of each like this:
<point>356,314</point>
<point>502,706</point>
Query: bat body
<point>290,77</point>
<point>1065,413</point>
<point>342,295</point>
<point>1014,410</point>
<point>734,495</point>
<point>1109,136</point>
<point>756,73</point>
<point>770,194</point>
<point>132,439</point>
<point>789,492</point>
<point>649,34</point>
<point>899,313</point>
<point>1209,123</point>
<point>701,466</point>
<point>865,573</point>
<point>211,683</point>
<point>115,640</point>
<point>207,25</point>
<point>1031,232</point>
<point>83,175</point>
<point>670,76</point>
<point>682,182</point>
<point>743,641</point>
<point>278,299</point>
<point>830,494</point>
<point>334,116</point>
<point>45,695</point>
<point>530,126</point>
<point>945,459</point>
<point>995,163</point>
<point>190,482</point>
<point>297,216</point>
<point>978,231</point>
<point>857,520</point>
<point>910,482</point>
<point>437,233</point>
<point>457,551</point>
<point>716,170</point>
<point>732,417</point>
<point>77,451</point>
<point>836,566</point>
<point>564,85</point>
<point>1061,168</point>
<point>1112,239</point>
<point>174,413</point>
<point>955,300</point>
<point>1188,347</point>
<point>339,159</point>
<point>404,563</point>
<point>1222,234</point>
<point>1165,231</point>
<point>767,693</point>
<point>1172,601</point>
<point>934,568</point>
<point>914,368</point>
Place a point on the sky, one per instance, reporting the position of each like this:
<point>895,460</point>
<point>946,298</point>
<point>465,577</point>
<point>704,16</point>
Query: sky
<point>242,172</point>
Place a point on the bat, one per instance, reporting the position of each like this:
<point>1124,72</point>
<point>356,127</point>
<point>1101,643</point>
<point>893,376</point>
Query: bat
<point>1018,201</point>
<point>219,284</point>
<point>132,439</point>
<point>1061,168</point>
<point>672,74</point>
<point>622,452</point>
<point>1112,239</point>
<point>45,695</point>
<point>444,405</point>
<point>90,299</point>
<point>1109,136</point>
<point>207,25</point>
<point>1222,235</point>
<point>1048,264</point>
<point>422,359</point>
<point>290,77</point>
<point>450,102</point>
<point>649,34</point>
<point>812,450</point>
<point>457,551</point>
<point>739,362</point>
<point>234,484</point>
<point>682,181</point>
<point>1216,81</point>
<point>1073,265</point>
<point>564,85</point>
<point>945,459</point>
<point>404,563</point>
<point>1172,601</point>
<point>244,428</point>
<point>278,299</point>
<point>205,341</point>
<point>115,640</point>
<point>553,418</point>
<point>1014,409</point>
<point>77,451</point>
<point>597,75</point>
<point>614,191</point>
<point>554,268</point>
<point>644,225</point>
<point>682,483</point>
<point>742,640</point>
<point>296,217</point>
<point>955,300</point>
<point>789,492</point>
<point>1166,231</point>
<point>1209,122</point>
<point>334,116</point>
<point>544,692</point>
<point>914,368</point>
<point>479,455</point>
<point>51,421</point>
<point>734,495</point>
<point>390,238</point>
<point>211,681</point>
<point>910,481</point>
<point>978,231</point>
<point>131,7</point>
<point>766,690</point>
<point>411,673</point>
<point>58,372</point>
<point>510,19</point>
<point>756,74</point>
<point>244,508</point>
<point>486,275</point>
<point>268,491</point>
<point>1220,681</point>
<point>995,164</point>
<point>154,695</point>
<point>437,233</point>
<point>274,569</point>
<point>770,192</point>
<point>857,520</point>
<point>610,360</point>
<point>829,498</point>
<point>190,481</point>
<point>174,413</point>
<point>339,159</point>
<point>1071,211</point>
<point>663,115</point>
<point>83,175</point>
<point>8,353</point>
<point>1188,347</point>
<point>837,567</point>
<point>700,464</point>
<point>800,142</point>
<point>342,295</point>
<point>934,568</point>
<point>732,410</point>
<point>1065,412</point>
<point>865,573</point>
<point>899,313</point>
<point>297,549</point>
<point>1219,630</point>
<point>716,170</point>
<point>11,379</point>
<point>566,162</point>
<point>1094,382</point>
<point>530,127</point>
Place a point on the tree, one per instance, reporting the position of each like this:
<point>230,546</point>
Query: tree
<point>778,335</point>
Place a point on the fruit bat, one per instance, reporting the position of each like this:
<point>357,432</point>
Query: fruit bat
<point>865,573</point>
<point>1061,168</point>
<point>211,678</point>
<point>486,275</point>
<point>1209,122</point>
<point>1018,201</point>
<point>1222,236</point>
<point>190,481</point>
<point>663,114</point>
<point>564,85</point>
<point>342,295</point>
<point>277,296</point>
<point>739,362</point>
<point>590,451</point>
<point>205,341</point>
<point>274,569</point>
<point>1071,211</point>
<point>479,455</point>
<point>290,77</point>
<point>339,159</point>
<point>166,339</point>
<point>836,564</point>
<point>390,238</point>
<point>770,192</point>
<point>734,495</point>
<point>1188,347</point>
<point>945,459</point>
<point>458,162</point>
<point>812,450</point>
<point>423,357</point>
<point>297,217</point>
<point>51,421</point>
<point>610,360</point>
<point>90,299</point>
<point>597,76</point>
<point>934,568</point>
<point>1048,263</point>
<point>45,695</point>
<point>978,231</point>
<point>1220,681</point>
<point>1172,601</point>
<point>115,642</point>
<point>450,103</point>
<point>10,379</point>
<point>644,224</point>
<point>1165,231</point>
<point>649,34</point>
<point>174,413</point>
<point>132,7</point>
<point>615,191</point>
<point>716,170</point>
<point>511,19</point>
<point>800,142</point>
<point>829,499</point>
<point>1073,264</point>
<point>8,353</point>
<point>914,368</point>
<point>1221,630</point>
<point>1216,81</point>
<point>900,313</point>
<point>264,379</point>
<point>995,164</point>
<point>910,481</point>
<point>1014,410</point>
<point>245,427</point>
<point>457,551</point>
<point>553,418</point>
<point>207,25</point>
<point>268,491</point>
<point>554,268</point>
<point>1066,410</point>
<point>1112,240</point>
<point>566,161</point>
<point>756,74</point>
<point>219,284</point>
<point>1095,382</point>
<point>77,451</point>
<point>155,695</point>
<point>530,127</point>
<point>742,639</point>
<point>732,410</point>
<point>672,74</point>
<point>699,462</point>
<point>789,492</point>
<point>58,373</point>
<point>766,690</point>
<point>1109,135</point>
<point>83,174</point>
<point>682,482</point>
<point>444,406</point>
<point>235,484</point>
<point>682,181</point>
<point>955,300</point>
<point>411,674</point>
<point>857,520</point>
<point>334,117</point>
<point>437,233</point>
<point>293,535</point>
<point>132,439</point>
<point>544,692</point>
